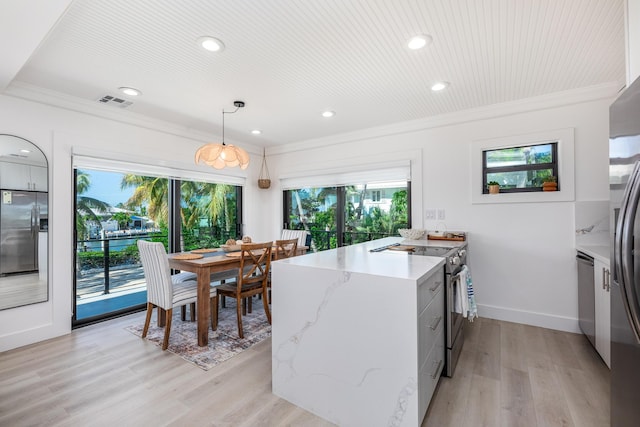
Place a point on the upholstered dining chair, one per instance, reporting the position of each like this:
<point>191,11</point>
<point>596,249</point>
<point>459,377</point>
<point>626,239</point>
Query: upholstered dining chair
<point>164,292</point>
<point>303,236</point>
<point>255,263</point>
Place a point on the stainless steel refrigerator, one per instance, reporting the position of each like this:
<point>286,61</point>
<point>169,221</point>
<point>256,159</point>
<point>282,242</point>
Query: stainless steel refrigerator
<point>20,215</point>
<point>624,184</point>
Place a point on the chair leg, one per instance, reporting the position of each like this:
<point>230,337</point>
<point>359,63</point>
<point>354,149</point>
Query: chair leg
<point>265,303</point>
<point>222,297</point>
<point>147,320</point>
<point>183,312</point>
<point>250,308</point>
<point>192,309</point>
<point>214,313</point>
<point>239,314</point>
<point>244,306</point>
<point>167,329</point>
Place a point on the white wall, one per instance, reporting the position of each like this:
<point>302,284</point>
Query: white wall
<point>59,133</point>
<point>522,255</point>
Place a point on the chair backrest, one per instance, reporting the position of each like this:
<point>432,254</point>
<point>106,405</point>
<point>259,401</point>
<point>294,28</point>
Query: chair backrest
<point>301,235</point>
<point>257,259</point>
<point>285,248</point>
<point>157,273</point>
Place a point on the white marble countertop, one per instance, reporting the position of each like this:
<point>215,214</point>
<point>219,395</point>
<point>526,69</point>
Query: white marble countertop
<point>358,259</point>
<point>600,252</point>
<point>595,244</point>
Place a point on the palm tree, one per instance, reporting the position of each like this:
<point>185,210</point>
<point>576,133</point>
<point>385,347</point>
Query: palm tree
<point>86,207</point>
<point>206,200</point>
<point>150,191</point>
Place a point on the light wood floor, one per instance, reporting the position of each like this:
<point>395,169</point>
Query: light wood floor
<point>21,289</point>
<point>509,375</point>
<point>514,375</point>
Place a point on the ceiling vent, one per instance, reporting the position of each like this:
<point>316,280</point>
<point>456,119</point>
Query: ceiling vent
<point>114,101</point>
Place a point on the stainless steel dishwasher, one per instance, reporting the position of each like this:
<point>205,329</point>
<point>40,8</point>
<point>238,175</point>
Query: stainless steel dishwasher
<point>586,296</point>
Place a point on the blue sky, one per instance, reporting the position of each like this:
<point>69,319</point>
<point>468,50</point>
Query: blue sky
<point>105,186</point>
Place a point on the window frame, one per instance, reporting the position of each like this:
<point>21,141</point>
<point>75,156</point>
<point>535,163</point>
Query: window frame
<point>565,160</point>
<point>340,219</point>
<point>521,168</point>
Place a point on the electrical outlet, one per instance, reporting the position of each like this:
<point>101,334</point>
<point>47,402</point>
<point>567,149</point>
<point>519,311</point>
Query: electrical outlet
<point>440,214</point>
<point>430,214</point>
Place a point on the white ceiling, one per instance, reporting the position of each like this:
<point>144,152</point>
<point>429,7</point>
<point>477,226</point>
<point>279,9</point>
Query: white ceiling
<point>289,60</point>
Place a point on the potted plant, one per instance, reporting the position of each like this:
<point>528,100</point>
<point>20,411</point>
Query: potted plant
<point>494,187</point>
<point>550,183</point>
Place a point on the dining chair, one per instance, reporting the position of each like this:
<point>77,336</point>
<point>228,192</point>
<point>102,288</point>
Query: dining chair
<point>283,249</point>
<point>185,276</point>
<point>301,235</point>
<point>255,264</point>
<point>163,291</point>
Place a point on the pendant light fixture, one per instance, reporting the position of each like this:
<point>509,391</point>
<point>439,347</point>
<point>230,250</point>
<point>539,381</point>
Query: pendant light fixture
<point>222,155</point>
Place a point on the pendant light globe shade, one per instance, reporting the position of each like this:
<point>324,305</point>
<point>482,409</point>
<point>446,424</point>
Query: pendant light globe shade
<point>222,155</point>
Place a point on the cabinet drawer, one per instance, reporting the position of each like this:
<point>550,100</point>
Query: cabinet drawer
<point>430,324</point>
<point>429,374</point>
<point>430,288</point>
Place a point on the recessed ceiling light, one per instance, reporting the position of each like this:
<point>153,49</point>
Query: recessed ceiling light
<point>211,44</point>
<point>256,131</point>
<point>439,86</point>
<point>328,113</point>
<point>25,151</point>
<point>420,41</point>
<point>130,91</point>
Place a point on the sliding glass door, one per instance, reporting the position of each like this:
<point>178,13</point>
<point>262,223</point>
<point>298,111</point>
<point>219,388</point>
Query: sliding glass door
<point>114,210</point>
<point>344,215</point>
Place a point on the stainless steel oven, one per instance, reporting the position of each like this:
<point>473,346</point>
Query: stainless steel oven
<point>455,259</point>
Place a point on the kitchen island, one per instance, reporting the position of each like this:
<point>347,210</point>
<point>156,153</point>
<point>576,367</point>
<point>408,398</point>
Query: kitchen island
<point>357,336</point>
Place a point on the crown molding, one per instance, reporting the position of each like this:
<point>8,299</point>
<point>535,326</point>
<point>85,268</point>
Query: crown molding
<point>40,95</point>
<point>557,99</point>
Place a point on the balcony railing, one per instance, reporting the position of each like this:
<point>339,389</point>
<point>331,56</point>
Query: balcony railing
<point>322,240</point>
<point>106,265</point>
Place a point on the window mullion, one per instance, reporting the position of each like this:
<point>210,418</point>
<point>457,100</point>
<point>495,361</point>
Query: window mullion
<point>340,214</point>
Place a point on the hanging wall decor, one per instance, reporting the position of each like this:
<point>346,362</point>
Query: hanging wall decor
<point>264,181</point>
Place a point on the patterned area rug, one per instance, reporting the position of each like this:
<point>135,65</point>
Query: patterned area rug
<point>223,343</point>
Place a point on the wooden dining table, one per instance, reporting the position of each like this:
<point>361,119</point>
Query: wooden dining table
<point>211,262</point>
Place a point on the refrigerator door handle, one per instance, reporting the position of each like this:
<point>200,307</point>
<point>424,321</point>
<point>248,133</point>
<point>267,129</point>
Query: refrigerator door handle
<point>623,250</point>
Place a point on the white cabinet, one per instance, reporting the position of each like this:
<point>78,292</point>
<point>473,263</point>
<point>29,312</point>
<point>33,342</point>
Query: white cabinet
<point>430,337</point>
<point>603,309</point>
<point>38,178</point>
<point>18,176</point>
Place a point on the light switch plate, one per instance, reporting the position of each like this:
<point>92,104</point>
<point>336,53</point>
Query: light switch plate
<point>430,214</point>
<point>441,214</point>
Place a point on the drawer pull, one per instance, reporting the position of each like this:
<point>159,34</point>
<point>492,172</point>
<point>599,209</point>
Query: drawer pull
<point>435,288</point>
<point>435,373</point>
<point>435,325</point>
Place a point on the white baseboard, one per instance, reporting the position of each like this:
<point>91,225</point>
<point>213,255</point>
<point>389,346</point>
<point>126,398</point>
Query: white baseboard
<point>543,320</point>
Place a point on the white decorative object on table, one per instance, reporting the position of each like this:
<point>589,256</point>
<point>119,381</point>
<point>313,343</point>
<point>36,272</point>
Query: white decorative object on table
<point>411,233</point>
